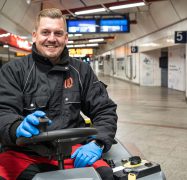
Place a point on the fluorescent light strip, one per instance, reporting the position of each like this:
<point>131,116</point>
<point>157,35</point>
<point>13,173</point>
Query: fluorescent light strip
<point>79,45</point>
<point>82,45</point>
<point>77,34</point>
<point>150,45</point>
<point>90,45</point>
<point>96,40</point>
<point>70,42</point>
<point>5,35</point>
<point>23,37</point>
<point>6,46</point>
<point>90,11</point>
<point>127,6</point>
<point>69,46</point>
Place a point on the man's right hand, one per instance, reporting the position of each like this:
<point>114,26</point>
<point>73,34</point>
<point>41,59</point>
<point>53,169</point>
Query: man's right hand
<point>28,127</point>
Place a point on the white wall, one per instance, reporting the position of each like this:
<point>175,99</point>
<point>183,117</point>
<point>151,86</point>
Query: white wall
<point>119,62</point>
<point>107,64</point>
<point>150,73</point>
<point>176,68</point>
<point>113,64</point>
<point>136,68</point>
<point>186,73</point>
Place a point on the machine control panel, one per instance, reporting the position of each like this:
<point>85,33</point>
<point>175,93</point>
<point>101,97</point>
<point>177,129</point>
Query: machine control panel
<point>133,168</point>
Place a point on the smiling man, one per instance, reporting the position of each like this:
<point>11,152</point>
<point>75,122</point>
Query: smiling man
<point>50,83</point>
<point>50,36</point>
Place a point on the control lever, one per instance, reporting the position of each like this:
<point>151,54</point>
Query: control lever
<point>44,122</point>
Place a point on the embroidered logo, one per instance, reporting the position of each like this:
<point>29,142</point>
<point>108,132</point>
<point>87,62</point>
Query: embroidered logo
<point>68,83</point>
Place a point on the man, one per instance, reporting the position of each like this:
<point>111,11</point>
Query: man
<point>50,83</point>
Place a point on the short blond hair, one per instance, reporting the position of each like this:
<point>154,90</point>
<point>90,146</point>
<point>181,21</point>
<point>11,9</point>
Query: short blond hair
<point>51,13</point>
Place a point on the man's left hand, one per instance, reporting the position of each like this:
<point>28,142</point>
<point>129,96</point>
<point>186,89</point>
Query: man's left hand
<point>87,155</point>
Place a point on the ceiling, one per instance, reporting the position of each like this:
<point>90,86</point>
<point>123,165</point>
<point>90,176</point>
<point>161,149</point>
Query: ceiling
<point>69,7</point>
<point>18,17</point>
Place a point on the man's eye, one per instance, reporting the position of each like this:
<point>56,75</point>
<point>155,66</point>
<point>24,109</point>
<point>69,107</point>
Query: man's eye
<point>59,34</point>
<point>45,33</point>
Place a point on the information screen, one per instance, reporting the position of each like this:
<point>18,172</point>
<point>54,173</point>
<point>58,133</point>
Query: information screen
<point>98,25</point>
<point>81,26</point>
<point>114,25</point>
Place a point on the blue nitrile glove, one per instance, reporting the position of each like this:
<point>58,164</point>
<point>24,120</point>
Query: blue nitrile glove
<point>28,127</point>
<point>87,155</point>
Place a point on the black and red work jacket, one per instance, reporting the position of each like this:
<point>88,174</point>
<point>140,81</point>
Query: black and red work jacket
<point>62,91</point>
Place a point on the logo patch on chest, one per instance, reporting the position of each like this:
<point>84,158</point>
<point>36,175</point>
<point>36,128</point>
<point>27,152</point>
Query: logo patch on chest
<point>68,83</point>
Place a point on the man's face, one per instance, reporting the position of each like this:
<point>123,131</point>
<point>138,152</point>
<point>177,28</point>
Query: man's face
<point>50,38</point>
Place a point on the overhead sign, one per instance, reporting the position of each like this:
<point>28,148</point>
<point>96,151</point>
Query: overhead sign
<point>104,25</point>
<point>180,36</point>
<point>134,49</point>
<point>20,54</point>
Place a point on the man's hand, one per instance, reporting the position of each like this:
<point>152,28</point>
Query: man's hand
<point>87,155</point>
<point>28,127</point>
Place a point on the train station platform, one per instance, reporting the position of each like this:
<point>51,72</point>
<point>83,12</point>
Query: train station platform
<point>152,123</point>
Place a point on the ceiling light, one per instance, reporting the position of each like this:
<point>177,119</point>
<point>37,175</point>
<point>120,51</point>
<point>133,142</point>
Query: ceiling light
<point>23,37</point>
<point>90,11</point>
<point>6,46</point>
<point>170,40</point>
<point>79,45</point>
<point>70,42</point>
<point>96,40</point>
<point>4,35</point>
<point>150,45</point>
<point>69,46</point>
<point>28,1</point>
<point>77,34</point>
<point>89,45</point>
<point>127,6</point>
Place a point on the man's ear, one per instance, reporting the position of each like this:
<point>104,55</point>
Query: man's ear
<point>33,36</point>
<point>66,38</point>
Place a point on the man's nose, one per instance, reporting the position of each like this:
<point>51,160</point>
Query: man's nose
<point>51,37</point>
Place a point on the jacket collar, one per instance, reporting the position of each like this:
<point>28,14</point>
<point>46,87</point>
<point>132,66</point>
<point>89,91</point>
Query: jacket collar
<point>62,65</point>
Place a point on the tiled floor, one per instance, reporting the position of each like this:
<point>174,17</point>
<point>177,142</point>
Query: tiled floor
<point>154,120</point>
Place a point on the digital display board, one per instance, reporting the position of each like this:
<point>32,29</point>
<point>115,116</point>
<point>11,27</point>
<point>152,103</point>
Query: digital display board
<point>98,25</point>
<point>81,26</point>
<point>114,25</point>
